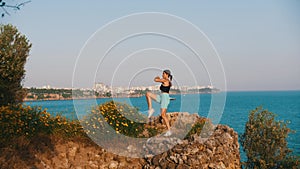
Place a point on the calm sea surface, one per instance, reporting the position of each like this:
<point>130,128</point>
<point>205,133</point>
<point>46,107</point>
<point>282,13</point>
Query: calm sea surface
<point>286,104</point>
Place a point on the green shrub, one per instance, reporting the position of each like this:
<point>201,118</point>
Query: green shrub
<point>63,127</point>
<point>264,142</point>
<point>196,128</point>
<point>22,121</point>
<point>25,121</point>
<point>122,119</point>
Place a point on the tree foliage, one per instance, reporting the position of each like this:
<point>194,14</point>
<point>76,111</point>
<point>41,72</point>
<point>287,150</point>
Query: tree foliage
<point>14,50</point>
<point>4,6</point>
<point>264,142</point>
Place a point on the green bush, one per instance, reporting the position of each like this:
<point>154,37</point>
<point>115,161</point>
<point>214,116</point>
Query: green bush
<point>122,118</point>
<point>25,121</point>
<point>198,127</point>
<point>264,142</point>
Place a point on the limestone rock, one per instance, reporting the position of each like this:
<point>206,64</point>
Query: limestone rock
<point>217,148</point>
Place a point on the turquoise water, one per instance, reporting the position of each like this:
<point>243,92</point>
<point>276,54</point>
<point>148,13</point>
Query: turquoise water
<point>286,104</point>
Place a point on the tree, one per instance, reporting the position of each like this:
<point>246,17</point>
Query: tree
<point>14,50</point>
<point>108,94</point>
<point>4,6</point>
<point>264,142</point>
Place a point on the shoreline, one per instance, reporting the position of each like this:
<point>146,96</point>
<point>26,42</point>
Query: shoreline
<point>102,97</point>
<point>80,98</point>
<point>140,95</point>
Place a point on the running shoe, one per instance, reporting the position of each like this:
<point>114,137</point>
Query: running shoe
<point>150,112</point>
<point>168,133</point>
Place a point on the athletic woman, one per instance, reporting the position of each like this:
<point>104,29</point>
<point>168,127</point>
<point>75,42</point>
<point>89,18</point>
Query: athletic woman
<point>163,98</point>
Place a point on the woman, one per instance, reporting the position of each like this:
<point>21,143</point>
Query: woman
<point>163,98</point>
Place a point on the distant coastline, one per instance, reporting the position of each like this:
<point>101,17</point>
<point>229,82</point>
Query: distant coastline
<point>80,98</point>
<point>34,94</point>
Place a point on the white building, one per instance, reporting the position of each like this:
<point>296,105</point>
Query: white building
<point>101,88</point>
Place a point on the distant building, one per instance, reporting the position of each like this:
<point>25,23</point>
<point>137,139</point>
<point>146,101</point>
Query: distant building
<point>210,87</point>
<point>184,88</point>
<point>101,88</point>
<point>46,87</point>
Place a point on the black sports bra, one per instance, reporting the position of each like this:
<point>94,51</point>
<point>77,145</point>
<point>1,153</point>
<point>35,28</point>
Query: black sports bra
<point>165,89</point>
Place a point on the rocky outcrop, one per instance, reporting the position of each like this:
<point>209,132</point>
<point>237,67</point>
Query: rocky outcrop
<point>220,149</point>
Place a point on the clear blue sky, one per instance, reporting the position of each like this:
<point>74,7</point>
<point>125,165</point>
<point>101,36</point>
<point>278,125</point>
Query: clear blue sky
<point>258,41</point>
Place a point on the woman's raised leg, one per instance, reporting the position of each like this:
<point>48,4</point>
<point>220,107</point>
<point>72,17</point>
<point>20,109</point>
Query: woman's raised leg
<point>150,97</point>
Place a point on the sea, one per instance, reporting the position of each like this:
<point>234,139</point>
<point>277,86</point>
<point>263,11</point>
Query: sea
<point>232,109</point>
